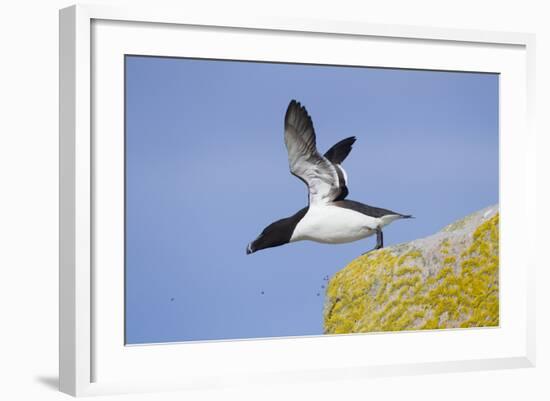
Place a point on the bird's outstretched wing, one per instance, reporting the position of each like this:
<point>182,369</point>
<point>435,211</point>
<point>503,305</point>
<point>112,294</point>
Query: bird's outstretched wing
<point>319,174</point>
<point>336,155</point>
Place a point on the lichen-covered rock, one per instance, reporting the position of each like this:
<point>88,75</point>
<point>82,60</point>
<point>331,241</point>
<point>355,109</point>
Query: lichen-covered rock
<point>449,279</point>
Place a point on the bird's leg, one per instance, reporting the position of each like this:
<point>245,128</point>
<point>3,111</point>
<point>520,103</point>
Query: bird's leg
<point>379,240</point>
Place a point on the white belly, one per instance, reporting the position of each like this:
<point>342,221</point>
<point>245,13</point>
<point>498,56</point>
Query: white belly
<point>334,225</point>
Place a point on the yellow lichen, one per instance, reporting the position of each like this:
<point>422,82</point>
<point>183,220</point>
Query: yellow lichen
<point>382,291</point>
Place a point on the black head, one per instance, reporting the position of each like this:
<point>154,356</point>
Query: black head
<point>276,234</point>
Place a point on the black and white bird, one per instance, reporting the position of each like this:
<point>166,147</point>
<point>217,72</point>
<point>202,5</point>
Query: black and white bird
<point>329,217</point>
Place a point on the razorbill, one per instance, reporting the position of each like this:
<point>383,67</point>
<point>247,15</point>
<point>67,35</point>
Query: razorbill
<point>329,217</point>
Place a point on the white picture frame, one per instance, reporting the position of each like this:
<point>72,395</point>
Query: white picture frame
<point>93,358</point>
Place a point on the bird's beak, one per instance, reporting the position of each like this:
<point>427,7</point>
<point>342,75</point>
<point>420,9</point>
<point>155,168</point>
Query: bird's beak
<point>249,249</point>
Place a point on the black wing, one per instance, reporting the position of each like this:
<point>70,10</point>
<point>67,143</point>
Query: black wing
<point>338,152</point>
<point>336,155</point>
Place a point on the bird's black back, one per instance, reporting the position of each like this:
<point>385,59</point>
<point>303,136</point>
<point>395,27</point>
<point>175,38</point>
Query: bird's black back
<point>366,209</point>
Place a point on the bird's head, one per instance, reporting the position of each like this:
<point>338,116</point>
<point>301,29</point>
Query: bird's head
<point>275,234</point>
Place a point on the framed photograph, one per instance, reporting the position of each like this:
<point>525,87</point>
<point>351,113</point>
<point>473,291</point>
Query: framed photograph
<point>277,200</point>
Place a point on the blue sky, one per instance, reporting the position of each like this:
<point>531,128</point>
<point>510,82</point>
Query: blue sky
<point>207,170</point>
